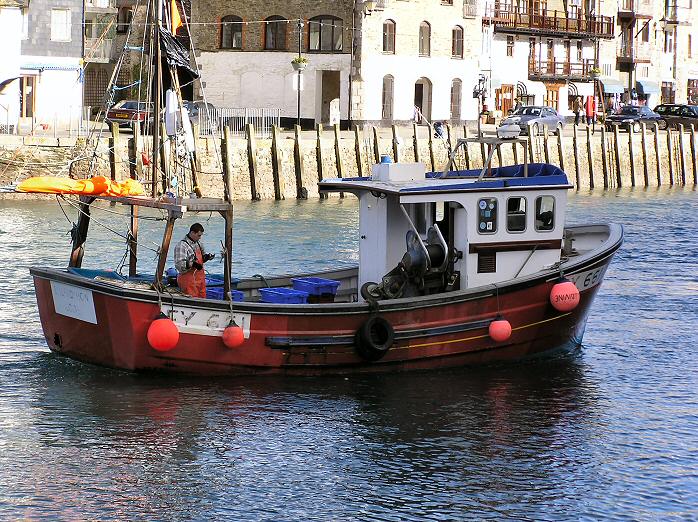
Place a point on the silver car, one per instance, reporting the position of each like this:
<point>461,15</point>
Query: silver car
<point>538,117</point>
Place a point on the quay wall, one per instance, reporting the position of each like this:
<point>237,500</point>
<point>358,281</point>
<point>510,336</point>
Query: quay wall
<point>271,169</point>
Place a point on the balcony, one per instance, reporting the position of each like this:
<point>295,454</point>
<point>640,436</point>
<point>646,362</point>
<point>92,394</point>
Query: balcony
<point>508,18</point>
<point>469,8</point>
<point>628,10</point>
<point>560,70</point>
<point>631,54</point>
<point>100,6</point>
<point>98,50</point>
<point>675,14</point>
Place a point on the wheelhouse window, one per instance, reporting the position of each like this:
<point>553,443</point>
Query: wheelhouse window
<point>325,33</point>
<point>424,39</point>
<point>457,42</point>
<point>275,29</point>
<point>545,213</point>
<point>487,216</point>
<point>456,95</point>
<point>516,214</point>
<point>388,86</point>
<point>389,37</point>
<point>231,32</point>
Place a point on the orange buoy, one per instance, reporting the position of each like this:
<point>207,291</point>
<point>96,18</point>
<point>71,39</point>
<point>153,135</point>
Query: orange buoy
<point>233,336</point>
<point>564,296</point>
<point>500,330</point>
<point>163,334</point>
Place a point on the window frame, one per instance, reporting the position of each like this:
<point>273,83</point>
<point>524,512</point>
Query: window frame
<point>389,37</point>
<point>480,216</point>
<point>424,40</point>
<point>68,25</point>
<point>456,99</point>
<point>231,21</point>
<point>388,97</point>
<point>457,42</point>
<point>275,22</point>
<point>510,46</point>
<point>320,24</point>
<point>525,213</point>
<point>537,213</point>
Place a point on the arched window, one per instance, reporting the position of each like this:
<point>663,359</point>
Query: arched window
<point>389,37</point>
<point>231,32</point>
<point>275,28</point>
<point>388,86</point>
<point>424,39</point>
<point>457,42</point>
<point>325,33</point>
<point>456,97</point>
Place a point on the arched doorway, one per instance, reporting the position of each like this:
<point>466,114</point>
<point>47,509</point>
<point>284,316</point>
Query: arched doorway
<point>422,97</point>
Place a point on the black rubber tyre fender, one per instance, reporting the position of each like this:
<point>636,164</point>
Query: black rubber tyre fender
<point>374,338</point>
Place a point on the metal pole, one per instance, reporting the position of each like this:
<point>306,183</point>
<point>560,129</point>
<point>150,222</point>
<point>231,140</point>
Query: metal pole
<point>298,100</point>
<point>593,115</point>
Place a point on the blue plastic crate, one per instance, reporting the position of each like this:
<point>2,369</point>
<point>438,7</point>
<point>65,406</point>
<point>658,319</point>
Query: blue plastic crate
<point>217,293</point>
<point>283,296</point>
<point>315,285</point>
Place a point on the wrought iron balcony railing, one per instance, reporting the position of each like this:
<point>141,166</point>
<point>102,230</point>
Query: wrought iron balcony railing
<point>634,52</point>
<point>510,18</point>
<point>560,70</point>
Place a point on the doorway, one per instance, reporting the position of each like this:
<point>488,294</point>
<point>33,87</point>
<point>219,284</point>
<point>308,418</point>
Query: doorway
<point>422,98</point>
<point>329,91</point>
<point>27,96</point>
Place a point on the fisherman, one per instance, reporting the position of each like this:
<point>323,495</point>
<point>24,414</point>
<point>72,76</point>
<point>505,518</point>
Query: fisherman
<point>190,257</point>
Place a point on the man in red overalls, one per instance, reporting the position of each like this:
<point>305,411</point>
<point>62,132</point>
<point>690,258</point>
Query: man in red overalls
<point>190,257</point>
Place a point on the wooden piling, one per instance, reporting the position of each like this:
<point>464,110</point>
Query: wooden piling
<point>560,152</point>
<point>376,148</point>
<point>276,164</point>
<point>396,148</point>
<point>631,152</point>
<point>531,158</point>
<point>338,152</point>
<point>670,150</point>
<point>656,154</point>
<point>645,167</point>
<point>575,155</point>
<point>465,148</point>
<point>616,151</point>
<point>682,155</point>
<point>448,137</point>
<point>431,148</point>
<point>252,160</point>
<point>590,159</point>
<point>604,158</point>
<point>298,163</point>
<point>546,152</point>
<point>357,151</point>
<point>113,141</point>
<point>515,152</point>
<point>693,154</point>
<point>227,161</point>
<point>318,155</point>
<point>415,142</point>
<point>135,161</point>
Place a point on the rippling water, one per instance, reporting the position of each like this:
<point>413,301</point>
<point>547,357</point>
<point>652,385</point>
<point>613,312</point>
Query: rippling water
<point>609,432</point>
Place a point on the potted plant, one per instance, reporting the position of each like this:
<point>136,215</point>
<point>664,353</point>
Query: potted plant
<point>595,72</point>
<point>299,63</point>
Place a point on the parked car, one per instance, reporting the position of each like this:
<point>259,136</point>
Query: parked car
<point>630,116</point>
<point>126,112</point>
<point>676,114</point>
<point>538,117</point>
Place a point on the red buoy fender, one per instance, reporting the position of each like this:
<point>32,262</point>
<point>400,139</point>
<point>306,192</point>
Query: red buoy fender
<point>500,330</point>
<point>564,296</point>
<point>163,334</point>
<point>233,335</point>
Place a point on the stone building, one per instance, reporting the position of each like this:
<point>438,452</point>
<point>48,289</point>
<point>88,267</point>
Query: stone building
<point>11,15</point>
<point>368,62</point>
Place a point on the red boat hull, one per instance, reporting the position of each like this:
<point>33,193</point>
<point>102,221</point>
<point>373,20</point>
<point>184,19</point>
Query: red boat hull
<point>451,330</point>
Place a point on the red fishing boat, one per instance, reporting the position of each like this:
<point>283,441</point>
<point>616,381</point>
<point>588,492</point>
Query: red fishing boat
<point>455,267</point>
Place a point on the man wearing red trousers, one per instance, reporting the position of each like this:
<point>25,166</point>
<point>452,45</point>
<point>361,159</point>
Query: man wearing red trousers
<point>190,257</point>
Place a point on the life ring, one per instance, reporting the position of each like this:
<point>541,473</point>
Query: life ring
<point>374,338</point>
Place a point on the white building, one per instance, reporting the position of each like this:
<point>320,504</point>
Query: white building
<point>10,43</point>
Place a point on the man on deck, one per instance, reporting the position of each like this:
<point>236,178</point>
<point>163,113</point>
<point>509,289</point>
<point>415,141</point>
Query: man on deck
<point>190,257</point>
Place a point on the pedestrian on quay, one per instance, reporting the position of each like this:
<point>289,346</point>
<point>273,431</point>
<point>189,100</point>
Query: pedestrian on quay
<point>576,108</point>
<point>190,256</point>
<point>517,105</point>
<point>590,109</point>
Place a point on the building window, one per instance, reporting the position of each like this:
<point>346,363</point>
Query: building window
<point>551,98</point>
<point>510,46</point>
<point>123,19</point>
<point>457,42</point>
<point>275,29</point>
<point>545,213</point>
<point>580,54</point>
<point>231,32</point>
<point>424,39</point>
<point>456,96</point>
<point>25,24</point>
<point>389,37</point>
<point>669,41</point>
<point>60,25</point>
<point>325,33</point>
<point>646,33</point>
<point>388,83</point>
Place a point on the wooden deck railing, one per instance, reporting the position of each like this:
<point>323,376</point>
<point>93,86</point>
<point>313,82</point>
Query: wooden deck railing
<point>560,69</point>
<point>517,19</point>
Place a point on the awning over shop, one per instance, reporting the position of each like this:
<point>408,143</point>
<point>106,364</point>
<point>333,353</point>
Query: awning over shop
<point>645,87</point>
<point>581,89</point>
<point>612,86</point>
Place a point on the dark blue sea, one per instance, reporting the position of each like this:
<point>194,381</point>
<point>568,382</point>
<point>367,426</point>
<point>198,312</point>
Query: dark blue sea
<point>608,432</point>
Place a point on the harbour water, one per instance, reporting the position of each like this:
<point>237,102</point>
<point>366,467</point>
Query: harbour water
<point>607,432</point>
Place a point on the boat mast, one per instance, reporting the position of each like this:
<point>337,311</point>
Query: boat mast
<point>158,89</point>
